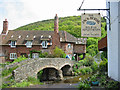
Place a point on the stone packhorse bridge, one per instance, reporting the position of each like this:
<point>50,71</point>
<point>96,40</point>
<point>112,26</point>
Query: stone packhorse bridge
<point>53,69</point>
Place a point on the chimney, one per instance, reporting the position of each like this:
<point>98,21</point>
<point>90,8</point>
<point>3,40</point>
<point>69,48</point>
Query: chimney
<point>56,24</point>
<point>5,27</point>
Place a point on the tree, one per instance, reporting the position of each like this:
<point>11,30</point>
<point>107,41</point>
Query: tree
<point>59,53</point>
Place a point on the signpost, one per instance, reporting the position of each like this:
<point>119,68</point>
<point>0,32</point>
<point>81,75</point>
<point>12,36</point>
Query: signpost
<point>91,25</point>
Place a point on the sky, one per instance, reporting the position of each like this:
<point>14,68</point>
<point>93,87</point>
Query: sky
<point>22,12</point>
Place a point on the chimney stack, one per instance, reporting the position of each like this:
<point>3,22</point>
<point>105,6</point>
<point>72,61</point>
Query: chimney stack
<point>56,24</point>
<point>5,27</point>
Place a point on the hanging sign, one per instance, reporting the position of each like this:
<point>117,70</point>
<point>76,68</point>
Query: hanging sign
<point>91,25</point>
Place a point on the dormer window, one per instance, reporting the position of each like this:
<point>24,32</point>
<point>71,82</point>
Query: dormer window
<point>19,37</point>
<point>13,43</point>
<point>29,44</point>
<point>44,44</point>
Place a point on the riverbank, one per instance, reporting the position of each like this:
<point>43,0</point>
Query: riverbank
<point>68,82</point>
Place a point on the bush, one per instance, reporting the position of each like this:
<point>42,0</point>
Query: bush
<point>81,56</point>
<point>86,70</point>
<point>103,67</point>
<point>8,71</point>
<point>88,60</point>
<point>104,81</point>
<point>83,71</point>
<point>43,55</point>
<point>104,55</point>
<point>19,59</point>
<point>82,62</point>
<point>94,66</point>
<point>83,86</point>
<point>58,53</point>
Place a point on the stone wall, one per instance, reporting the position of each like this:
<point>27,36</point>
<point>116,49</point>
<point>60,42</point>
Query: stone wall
<point>35,65</point>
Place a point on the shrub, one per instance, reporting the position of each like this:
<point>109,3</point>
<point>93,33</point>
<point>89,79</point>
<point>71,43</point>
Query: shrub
<point>59,53</point>
<point>83,86</point>
<point>88,60</point>
<point>19,59</point>
<point>79,64</point>
<point>94,66</point>
<point>86,70</point>
<point>82,62</point>
<point>43,55</point>
<point>8,71</point>
<point>81,56</point>
<point>104,54</point>
<point>103,66</point>
<point>83,71</point>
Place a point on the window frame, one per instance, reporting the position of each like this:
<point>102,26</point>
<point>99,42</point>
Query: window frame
<point>35,55</point>
<point>28,44</point>
<point>69,45</point>
<point>13,56</point>
<point>13,44</point>
<point>44,44</point>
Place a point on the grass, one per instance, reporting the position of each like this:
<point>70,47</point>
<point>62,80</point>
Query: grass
<point>11,82</point>
<point>22,84</point>
<point>8,71</point>
<point>28,82</point>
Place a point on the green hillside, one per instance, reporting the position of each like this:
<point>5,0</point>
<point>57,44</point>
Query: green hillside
<point>71,24</point>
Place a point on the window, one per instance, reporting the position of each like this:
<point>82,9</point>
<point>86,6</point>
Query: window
<point>29,44</point>
<point>69,45</point>
<point>13,55</point>
<point>35,55</point>
<point>13,43</point>
<point>44,44</point>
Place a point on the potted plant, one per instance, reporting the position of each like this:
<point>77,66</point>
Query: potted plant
<point>94,81</point>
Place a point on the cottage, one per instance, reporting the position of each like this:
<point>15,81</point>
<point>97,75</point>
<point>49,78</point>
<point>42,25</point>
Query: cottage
<point>16,43</point>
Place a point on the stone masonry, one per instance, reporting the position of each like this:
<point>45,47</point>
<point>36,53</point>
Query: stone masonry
<point>35,65</point>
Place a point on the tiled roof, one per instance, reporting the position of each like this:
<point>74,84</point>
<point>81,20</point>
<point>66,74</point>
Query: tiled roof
<point>81,41</point>
<point>36,35</point>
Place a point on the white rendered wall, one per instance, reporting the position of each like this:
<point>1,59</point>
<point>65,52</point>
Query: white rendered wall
<point>119,41</point>
<point>113,41</point>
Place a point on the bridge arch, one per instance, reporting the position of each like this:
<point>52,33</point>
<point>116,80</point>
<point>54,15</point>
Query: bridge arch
<point>48,74</point>
<point>66,70</point>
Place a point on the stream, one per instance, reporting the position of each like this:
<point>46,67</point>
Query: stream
<point>68,82</point>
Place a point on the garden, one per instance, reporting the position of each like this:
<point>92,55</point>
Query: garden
<point>98,73</point>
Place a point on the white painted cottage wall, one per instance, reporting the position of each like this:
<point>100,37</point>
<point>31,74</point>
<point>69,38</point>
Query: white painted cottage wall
<point>113,41</point>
